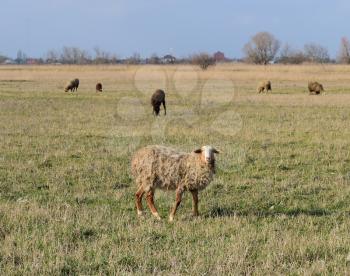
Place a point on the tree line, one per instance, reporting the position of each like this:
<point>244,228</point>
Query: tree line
<point>262,48</point>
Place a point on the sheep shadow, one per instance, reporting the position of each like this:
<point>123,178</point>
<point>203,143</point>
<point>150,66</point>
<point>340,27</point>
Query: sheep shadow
<point>119,186</point>
<point>218,212</point>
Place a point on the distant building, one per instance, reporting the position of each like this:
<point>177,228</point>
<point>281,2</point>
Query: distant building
<point>9,61</point>
<point>33,61</point>
<point>169,59</point>
<point>219,57</point>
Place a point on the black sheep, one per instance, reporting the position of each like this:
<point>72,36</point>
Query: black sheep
<point>158,98</point>
<point>99,87</point>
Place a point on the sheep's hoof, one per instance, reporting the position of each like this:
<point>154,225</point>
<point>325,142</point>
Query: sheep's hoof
<point>156,215</point>
<point>139,213</point>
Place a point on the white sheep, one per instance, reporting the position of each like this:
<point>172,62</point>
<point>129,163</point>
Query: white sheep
<point>264,86</point>
<point>161,167</point>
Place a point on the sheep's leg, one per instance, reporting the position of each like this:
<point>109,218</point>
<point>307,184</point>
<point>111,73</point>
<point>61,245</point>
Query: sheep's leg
<point>179,193</point>
<point>164,107</point>
<point>140,192</point>
<point>150,203</point>
<point>195,202</point>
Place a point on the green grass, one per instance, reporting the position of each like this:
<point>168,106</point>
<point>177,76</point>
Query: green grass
<point>279,204</point>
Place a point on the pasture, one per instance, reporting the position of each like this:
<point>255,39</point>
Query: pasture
<point>279,204</point>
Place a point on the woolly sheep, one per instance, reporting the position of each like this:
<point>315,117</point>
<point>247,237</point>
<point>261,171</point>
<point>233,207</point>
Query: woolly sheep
<point>69,86</point>
<point>159,167</point>
<point>72,85</point>
<point>315,87</point>
<point>76,81</point>
<point>99,87</point>
<point>264,86</point>
<point>157,99</point>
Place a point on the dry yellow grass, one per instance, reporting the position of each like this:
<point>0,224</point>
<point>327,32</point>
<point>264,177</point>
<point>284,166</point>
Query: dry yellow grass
<point>279,203</point>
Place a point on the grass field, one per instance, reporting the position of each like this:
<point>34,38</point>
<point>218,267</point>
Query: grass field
<point>279,204</point>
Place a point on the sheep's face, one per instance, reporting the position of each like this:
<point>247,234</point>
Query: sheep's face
<point>207,154</point>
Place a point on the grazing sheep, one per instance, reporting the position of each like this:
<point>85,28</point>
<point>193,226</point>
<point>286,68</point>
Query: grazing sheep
<point>159,167</point>
<point>76,82</point>
<point>69,86</point>
<point>72,85</point>
<point>99,87</point>
<point>264,86</point>
<point>157,99</point>
<point>315,87</point>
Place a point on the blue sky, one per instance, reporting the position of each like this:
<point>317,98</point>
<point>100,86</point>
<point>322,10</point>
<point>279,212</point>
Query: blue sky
<point>181,27</point>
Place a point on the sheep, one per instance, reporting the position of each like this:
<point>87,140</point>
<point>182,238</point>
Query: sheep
<point>76,82</point>
<point>99,87</point>
<point>315,87</point>
<point>72,85</point>
<point>158,167</point>
<point>69,86</point>
<point>157,99</point>
<point>264,86</point>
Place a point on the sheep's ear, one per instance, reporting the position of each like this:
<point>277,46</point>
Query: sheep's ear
<point>216,151</point>
<point>198,151</point>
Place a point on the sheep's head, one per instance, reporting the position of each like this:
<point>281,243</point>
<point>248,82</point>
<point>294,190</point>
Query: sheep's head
<point>156,109</point>
<point>207,154</point>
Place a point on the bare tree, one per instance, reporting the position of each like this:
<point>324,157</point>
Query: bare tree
<point>134,59</point>
<point>74,55</point>
<point>203,60</point>
<point>3,58</point>
<point>52,56</point>
<point>102,57</point>
<point>344,51</point>
<point>288,55</point>
<point>154,59</point>
<point>21,57</point>
<point>316,53</point>
<point>262,48</point>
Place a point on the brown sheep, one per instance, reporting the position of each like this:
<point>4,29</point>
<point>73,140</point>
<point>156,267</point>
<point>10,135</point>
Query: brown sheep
<point>99,87</point>
<point>69,86</point>
<point>157,99</point>
<point>315,87</point>
<point>72,85</point>
<point>264,86</point>
<point>159,167</point>
<point>76,82</point>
